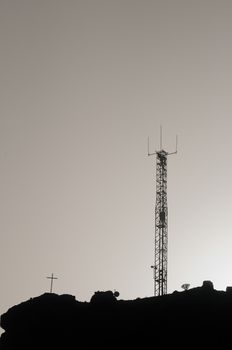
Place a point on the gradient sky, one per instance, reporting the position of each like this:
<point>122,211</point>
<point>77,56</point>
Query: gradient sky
<point>83,83</point>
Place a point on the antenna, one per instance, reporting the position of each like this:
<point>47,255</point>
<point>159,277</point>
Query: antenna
<point>185,286</point>
<point>161,144</point>
<point>161,220</point>
<point>161,137</point>
<point>116,293</point>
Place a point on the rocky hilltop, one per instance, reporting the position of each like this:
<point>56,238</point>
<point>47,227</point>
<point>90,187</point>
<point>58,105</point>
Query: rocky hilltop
<point>200,316</point>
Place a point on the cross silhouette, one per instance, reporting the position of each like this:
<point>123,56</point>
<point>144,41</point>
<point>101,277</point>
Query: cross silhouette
<point>52,278</point>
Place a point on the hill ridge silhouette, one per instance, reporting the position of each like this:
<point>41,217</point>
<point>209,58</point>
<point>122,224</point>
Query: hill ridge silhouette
<point>198,316</point>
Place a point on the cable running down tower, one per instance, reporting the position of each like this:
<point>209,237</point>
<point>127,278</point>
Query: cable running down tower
<point>160,266</point>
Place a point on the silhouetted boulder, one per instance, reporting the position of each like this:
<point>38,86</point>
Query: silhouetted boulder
<point>103,297</point>
<point>208,285</point>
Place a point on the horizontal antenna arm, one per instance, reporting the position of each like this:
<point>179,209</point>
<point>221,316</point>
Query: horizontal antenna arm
<point>169,154</point>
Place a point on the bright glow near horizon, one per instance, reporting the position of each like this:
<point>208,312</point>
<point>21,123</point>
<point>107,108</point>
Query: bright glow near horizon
<point>83,83</point>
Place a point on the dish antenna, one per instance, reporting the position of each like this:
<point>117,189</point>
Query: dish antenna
<point>116,294</point>
<point>185,286</point>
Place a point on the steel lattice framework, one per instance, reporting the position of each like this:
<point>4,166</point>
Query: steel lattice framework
<point>161,226</point>
<point>160,266</point>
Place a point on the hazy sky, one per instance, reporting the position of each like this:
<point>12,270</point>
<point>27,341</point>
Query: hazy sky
<point>83,83</point>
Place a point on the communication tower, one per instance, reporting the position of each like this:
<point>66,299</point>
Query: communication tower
<point>160,267</point>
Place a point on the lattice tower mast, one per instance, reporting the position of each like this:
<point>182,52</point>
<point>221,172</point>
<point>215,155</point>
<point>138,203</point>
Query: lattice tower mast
<point>160,267</point>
